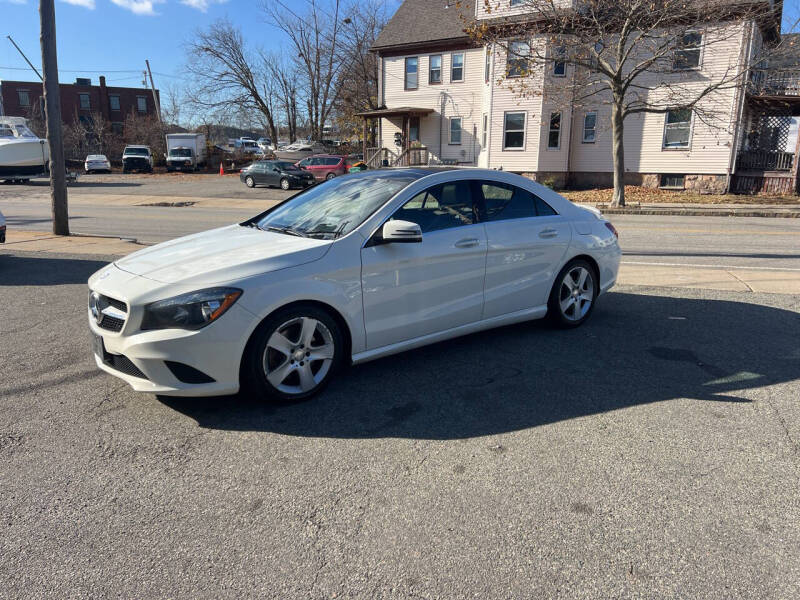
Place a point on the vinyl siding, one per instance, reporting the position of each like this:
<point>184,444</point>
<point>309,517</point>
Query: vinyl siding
<point>502,8</point>
<point>462,99</point>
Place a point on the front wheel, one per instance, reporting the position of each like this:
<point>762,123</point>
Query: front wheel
<point>573,295</point>
<point>293,354</point>
<point>285,184</point>
<point>330,176</point>
<point>249,182</point>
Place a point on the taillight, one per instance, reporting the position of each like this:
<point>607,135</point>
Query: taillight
<point>612,229</point>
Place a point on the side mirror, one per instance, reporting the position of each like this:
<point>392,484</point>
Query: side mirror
<point>276,169</point>
<point>401,232</point>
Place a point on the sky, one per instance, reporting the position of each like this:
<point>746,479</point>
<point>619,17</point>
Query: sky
<point>114,37</point>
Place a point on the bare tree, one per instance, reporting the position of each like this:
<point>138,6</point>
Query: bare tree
<point>634,56</point>
<point>226,77</point>
<point>357,84</point>
<point>314,34</point>
<point>284,76</point>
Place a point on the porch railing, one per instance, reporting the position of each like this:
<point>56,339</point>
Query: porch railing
<point>768,82</point>
<point>412,157</point>
<point>764,160</point>
<point>379,157</point>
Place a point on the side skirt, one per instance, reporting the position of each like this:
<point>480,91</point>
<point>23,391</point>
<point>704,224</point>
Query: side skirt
<point>528,314</point>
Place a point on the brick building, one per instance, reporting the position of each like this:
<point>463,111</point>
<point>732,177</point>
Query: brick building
<point>79,100</point>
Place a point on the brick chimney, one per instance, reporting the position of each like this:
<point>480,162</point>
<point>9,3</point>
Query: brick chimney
<point>105,107</point>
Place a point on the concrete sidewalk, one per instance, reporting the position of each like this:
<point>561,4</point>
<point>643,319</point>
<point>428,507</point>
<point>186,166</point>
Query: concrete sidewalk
<point>741,279</point>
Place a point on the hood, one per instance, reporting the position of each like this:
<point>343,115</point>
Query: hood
<point>221,255</point>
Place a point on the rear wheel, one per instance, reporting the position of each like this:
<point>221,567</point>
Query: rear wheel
<point>573,295</point>
<point>249,182</point>
<point>293,354</point>
<point>285,184</point>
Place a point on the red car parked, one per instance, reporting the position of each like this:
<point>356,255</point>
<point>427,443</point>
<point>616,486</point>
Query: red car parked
<point>324,166</point>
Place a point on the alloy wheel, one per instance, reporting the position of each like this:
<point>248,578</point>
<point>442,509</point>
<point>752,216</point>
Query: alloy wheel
<point>576,293</point>
<point>298,355</point>
<point>249,182</point>
<point>284,184</point>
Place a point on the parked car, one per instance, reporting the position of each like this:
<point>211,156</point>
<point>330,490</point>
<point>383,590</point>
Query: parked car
<point>324,166</point>
<point>347,271</point>
<point>137,158</point>
<point>2,229</point>
<point>96,163</point>
<point>265,144</point>
<point>275,173</point>
<point>300,150</point>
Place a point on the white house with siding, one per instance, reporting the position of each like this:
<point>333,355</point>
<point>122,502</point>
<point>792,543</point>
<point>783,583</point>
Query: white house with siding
<point>460,104</point>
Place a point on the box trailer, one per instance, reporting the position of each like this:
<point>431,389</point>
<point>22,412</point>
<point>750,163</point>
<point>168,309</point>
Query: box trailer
<point>185,151</point>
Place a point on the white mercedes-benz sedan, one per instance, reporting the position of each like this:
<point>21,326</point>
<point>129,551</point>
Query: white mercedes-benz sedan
<point>359,267</point>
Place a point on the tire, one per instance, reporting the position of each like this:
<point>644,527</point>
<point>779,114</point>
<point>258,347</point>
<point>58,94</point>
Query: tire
<point>285,185</point>
<point>249,182</point>
<point>574,294</point>
<point>276,366</point>
<point>330,176</point>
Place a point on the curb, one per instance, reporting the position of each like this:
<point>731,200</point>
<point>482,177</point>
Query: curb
<point>699,212</point>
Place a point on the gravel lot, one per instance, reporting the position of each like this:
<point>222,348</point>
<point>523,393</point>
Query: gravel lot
<point>650,454</point>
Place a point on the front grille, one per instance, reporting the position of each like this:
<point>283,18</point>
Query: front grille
<point>114,313</point>
<point>111,323</point>
<point>118,304</point>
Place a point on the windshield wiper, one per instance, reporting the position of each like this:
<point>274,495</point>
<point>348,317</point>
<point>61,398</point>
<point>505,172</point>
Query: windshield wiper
<point>286,230</point>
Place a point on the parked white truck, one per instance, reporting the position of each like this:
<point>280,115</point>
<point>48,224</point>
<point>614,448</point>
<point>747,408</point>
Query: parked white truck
<point>185,151</point>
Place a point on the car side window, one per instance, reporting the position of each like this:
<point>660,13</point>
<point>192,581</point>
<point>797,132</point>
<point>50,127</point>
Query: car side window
<point>316,162</point>
<point>441,207</point>
<point>305,162</point>
<point>332,162</point>
<point>503,202</point>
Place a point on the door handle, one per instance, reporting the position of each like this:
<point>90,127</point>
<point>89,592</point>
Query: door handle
<point>467,243</point>
<point>548,233</point>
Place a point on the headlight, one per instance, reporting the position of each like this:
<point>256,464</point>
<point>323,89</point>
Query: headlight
<point>189,311</point>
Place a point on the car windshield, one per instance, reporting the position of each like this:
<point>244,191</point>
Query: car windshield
<point>286,166</point>
<point>95,157</point>
<point>180,152</point>
<point>336,207</point>
<point>136,151</point>
<point>23,131</point>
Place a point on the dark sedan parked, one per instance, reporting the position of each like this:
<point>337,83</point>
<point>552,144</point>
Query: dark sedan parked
<point>275,173</point>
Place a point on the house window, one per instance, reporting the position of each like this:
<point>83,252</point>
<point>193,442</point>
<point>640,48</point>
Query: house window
<point>554,133</point>
<point>24,97</point>
<point>84,98</point>
<point>517,61</point>
<point>673,182</point>
<point>517,2</point>
<point>113,100</point>
<point>413,129</point>
<point>457,67</point>
<point>485,129</point>
<point>455,130</point>
<point>677,128</point>
<point>141,104</point>
<point>487,66</point>
<point>514,131</point>
<point>559,64</point>
<point>117,128</point>
<point>589,127</point>
<point>687,51</point>
<point>435,75</point>
<point>412,73</point>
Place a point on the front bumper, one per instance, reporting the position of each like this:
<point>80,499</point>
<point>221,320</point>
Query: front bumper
<point>180,165</point>
<point>215,351</point>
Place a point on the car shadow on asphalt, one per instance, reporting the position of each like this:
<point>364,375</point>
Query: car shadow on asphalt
<point>35,269</point>
<point>636,349</point>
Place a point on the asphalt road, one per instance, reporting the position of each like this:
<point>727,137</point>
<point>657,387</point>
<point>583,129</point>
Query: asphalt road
<point>652,453</point>
<point>718,241</point>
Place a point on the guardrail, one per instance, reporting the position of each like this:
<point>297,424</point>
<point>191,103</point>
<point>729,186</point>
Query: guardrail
<point>775,83</point>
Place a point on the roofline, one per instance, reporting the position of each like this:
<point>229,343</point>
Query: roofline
<point>464,41</point>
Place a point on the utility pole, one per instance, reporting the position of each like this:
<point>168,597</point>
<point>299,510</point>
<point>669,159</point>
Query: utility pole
<point>155,98</point>
<point>52,107</point>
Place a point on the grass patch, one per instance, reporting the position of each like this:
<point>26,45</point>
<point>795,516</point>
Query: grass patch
<point>657,196</point>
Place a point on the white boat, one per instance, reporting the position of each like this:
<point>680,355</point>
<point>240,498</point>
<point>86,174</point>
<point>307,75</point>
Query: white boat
<point>22,153</point>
